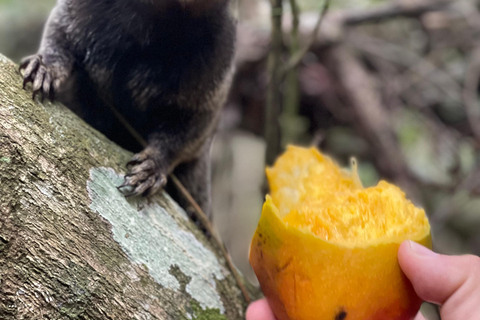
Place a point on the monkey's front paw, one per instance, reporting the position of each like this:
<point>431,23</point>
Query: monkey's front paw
<point>144,178</point>
<point>39,75</point>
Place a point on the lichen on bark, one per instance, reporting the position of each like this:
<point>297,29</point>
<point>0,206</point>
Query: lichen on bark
<point>71,247</point>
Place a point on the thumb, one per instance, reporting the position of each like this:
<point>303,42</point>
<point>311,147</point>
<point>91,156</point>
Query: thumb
<point>450,281</point>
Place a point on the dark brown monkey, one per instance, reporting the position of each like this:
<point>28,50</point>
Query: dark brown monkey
<point>164,65</point>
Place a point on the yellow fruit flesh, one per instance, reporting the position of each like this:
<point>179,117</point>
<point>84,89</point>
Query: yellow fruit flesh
<point>326,248</point>
<point>314,195</point>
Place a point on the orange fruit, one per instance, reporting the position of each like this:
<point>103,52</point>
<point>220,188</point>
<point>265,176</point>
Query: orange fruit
<point>326,248</point>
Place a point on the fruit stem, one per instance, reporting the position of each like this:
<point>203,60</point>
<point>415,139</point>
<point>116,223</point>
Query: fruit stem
<point>355,176</point>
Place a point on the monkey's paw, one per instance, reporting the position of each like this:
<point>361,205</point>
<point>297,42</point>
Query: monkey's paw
<point>144,177</point>
<point>40,76</point>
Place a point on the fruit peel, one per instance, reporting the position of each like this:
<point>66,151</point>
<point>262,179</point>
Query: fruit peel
<point>305,277</point>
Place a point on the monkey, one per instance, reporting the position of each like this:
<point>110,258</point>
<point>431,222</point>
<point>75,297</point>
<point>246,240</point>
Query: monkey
<point>164,66</point>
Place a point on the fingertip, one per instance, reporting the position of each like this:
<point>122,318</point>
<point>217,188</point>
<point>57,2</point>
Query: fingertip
<point>421,268</point>
<point>434,277</point>
<point>403,252</point>
<point>259,310</point>
<point>406,259</point>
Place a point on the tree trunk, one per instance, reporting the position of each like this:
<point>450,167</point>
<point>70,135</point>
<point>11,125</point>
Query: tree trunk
<point>73,247</point>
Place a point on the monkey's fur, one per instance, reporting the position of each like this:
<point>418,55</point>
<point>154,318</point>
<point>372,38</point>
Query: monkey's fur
<point>164,65</point>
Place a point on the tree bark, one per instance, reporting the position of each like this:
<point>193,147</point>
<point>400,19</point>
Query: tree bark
<point>73,247</point>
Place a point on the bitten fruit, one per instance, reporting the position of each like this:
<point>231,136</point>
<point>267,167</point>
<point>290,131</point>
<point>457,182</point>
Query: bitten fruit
<point>326,247</point>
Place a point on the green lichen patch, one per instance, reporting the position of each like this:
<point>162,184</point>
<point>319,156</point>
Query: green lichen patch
<point>198,313</point>
<point>5,159</point>
<point>150,236</point>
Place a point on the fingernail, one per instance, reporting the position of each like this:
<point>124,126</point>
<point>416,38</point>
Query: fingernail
<point>420,250</point>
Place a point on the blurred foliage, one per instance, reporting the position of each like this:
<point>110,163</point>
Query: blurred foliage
<point>21,24</point>
<point>418,65</point>
<point>338,4</point>
<point>308,5</point>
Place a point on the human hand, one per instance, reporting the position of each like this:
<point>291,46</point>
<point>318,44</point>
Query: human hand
<point>453,282</point>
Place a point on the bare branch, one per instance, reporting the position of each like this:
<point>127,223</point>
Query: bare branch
<point>415,64</point>
<point>392,10</point>
<point>209,227</point>
<point>291,101</point>
<point>470,93</point>
<point>371,116</point>
<point>297,58</point>
<point>272,128</point>
<point>200,215</point>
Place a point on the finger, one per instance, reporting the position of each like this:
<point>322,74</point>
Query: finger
<point>259,310</point>
<point>47,82</point>
<point>435,277</point>
<point>450,281</point>
<point>419,316</point>
<point>31,67</point>
<point>159,183</point>
<point>145,185</point>
<point>38,82</point>
<point>24,63</point>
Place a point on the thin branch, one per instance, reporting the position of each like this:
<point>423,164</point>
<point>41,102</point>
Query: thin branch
<point>295,22</point>
<point>290,111</point>
<point>201,216</point>
<point>371,116</point>
<point>272,112</point>
<point>416,64</point>
<point>297,58</point>
<point>209,227</point>
<point>347,18</point>
<point>470,93</point>
<point>393,10</point>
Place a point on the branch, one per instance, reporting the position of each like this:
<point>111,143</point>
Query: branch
<point>272,128</point>
<point>289,114</point>
<point>200,214</point>
<point>371,115</point>
<point>470,93</point>
<point>409,59</point>
<point>202,217</point>
<point>297,58</point>
<point>336,23</point>
<point>393,10</point>
<point>87,251</point>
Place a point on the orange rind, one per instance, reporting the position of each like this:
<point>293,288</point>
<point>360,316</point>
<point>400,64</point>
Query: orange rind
<point>326,247</point>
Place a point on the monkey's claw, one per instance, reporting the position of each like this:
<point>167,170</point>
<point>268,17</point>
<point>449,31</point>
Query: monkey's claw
<point>144,178</point>
<point>39,75</point>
